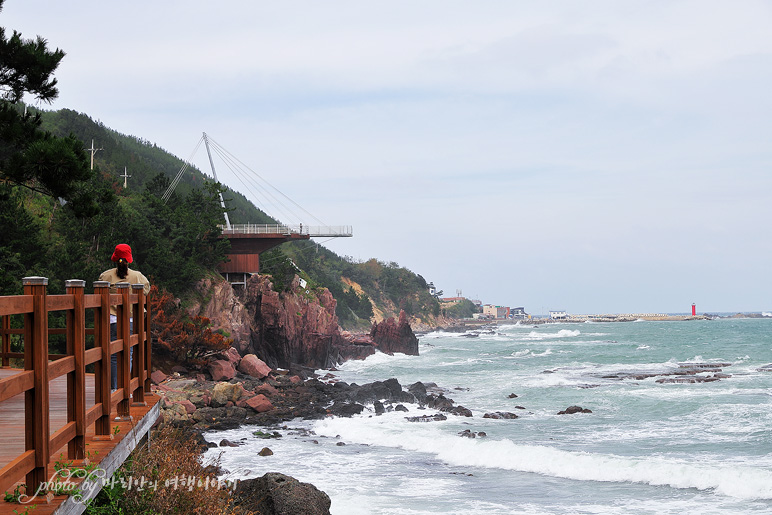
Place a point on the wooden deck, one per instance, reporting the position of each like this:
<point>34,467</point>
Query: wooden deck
<point>108,454</point>
<point>53,413</point>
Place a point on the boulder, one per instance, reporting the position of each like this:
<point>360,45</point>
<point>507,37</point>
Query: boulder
<point>500,415</point>
<point>232,355</point>
<point>277,494</point>
<point>254,366</point>
<point>158,377</point>
<point>260,403</point>
<point>222,370</point>
<point>574,409</point>
<point>223,393</point>
<point>189,406</point>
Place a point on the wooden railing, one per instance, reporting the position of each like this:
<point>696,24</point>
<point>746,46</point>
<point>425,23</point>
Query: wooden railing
<point>133,375</point>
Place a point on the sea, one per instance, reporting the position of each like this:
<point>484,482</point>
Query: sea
<point>649,445</point>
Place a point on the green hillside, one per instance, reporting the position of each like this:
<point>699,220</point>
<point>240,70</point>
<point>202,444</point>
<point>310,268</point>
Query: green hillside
<point>176,243</point>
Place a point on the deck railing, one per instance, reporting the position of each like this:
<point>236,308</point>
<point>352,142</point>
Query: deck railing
<point>133,378</point>
<point>287,230</point>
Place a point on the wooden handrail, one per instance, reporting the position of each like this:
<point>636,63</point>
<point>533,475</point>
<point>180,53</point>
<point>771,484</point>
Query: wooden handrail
<point>133,376</point>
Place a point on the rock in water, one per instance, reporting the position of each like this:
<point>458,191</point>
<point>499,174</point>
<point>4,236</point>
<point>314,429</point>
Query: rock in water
<point>391,336</point>
<point>277,494</point>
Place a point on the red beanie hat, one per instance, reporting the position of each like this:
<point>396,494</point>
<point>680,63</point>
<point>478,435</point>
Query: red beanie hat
<point>122,251</point>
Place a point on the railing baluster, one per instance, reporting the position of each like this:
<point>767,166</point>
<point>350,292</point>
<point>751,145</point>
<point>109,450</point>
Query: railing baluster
<point>76,380</point>
<point>139,353</point>
<point>124,363</point>
<point>102,369</point>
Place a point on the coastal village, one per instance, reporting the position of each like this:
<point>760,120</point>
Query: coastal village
<point>493,312</point>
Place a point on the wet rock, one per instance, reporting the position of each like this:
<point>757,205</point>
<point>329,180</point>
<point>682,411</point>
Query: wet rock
<point>346,409</point>
<point>500,415</point>
<point>418,390</point>
<point>227,443</point>
<point>277,494</point>
<point>468,433</point>
<point>512,396</point>
<point>574,409</point>
<point>265,451</point>
<point>427,418</point>
<point>400,407</point>
<point>458,411</point>
<point>691,380</point>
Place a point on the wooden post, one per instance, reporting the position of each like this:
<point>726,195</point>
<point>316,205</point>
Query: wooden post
<point>6,325</point>
<point>37,429</point>
<point>148,346</point>
<point>124,364</point>
<point>102,368</point>
<point>76,380</point>
<point>139,352</point>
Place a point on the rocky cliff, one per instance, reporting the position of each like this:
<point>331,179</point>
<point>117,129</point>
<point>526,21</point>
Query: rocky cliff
<point>296,327</point>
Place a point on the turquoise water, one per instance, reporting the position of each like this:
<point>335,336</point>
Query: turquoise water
<point>647,446</point>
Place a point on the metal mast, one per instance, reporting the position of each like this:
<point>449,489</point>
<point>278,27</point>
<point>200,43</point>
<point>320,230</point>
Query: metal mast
<point>211,163</point>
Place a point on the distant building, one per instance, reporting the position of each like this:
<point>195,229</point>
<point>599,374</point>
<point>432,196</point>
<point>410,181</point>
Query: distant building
<point>432,289</point>
<point>518,313</point>
<point>496,311</point>
<point>558,315</point>
<point>451,300</point>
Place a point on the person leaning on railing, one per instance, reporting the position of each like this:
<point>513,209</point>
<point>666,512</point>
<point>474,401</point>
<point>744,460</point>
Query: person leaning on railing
<point>121,274</point>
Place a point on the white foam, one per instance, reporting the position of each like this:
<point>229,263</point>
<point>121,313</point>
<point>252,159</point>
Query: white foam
<point>563,333</point>
<point>744,482</point>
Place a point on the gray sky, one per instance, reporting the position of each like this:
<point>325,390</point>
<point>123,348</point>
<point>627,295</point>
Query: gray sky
<point>605,156</point>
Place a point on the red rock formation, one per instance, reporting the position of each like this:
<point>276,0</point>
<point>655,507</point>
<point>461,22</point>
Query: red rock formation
<point>291,327</point>
<point>390,336</point>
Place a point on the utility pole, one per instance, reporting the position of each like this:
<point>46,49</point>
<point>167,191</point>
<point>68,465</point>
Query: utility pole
<point>93,151</point>
<point>125,177</point>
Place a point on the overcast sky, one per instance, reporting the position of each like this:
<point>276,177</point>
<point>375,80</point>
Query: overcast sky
<point>604,156</point>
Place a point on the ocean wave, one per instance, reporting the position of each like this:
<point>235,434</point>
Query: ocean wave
<point>563,333</point>
<point>734,480</point>
<point>529,353</point>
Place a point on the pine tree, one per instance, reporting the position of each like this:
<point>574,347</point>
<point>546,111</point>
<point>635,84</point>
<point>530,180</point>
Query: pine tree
<point>30,157</point>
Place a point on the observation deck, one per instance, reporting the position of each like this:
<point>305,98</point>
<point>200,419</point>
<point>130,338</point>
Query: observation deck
<point>248,241</point>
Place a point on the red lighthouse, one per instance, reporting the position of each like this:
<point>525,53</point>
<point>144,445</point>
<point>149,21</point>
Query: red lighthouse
<point>694,309</point>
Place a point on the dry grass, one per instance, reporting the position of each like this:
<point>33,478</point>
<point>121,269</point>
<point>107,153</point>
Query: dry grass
<point>168,476</point>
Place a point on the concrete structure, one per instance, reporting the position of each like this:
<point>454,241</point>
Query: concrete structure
<point>496,311</point>
<point>558,315</point>
<point>518,313</point>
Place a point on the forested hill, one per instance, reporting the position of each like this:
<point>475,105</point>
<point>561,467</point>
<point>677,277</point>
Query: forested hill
<point>175,243</point>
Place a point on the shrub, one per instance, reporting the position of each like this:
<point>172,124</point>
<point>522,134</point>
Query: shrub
<point>189,340</point>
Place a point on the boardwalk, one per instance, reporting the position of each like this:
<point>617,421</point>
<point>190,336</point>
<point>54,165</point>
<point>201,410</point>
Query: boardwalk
<point>52,410</point>
<point>108,454</point>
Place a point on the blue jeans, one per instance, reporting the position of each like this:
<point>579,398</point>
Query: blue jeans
<point>114,357</point>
